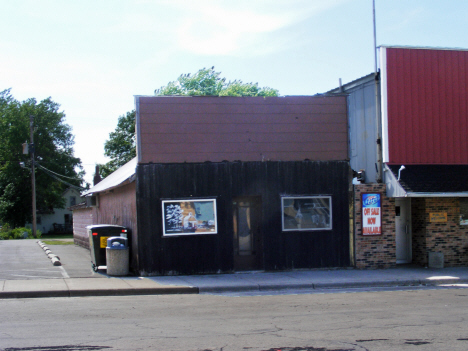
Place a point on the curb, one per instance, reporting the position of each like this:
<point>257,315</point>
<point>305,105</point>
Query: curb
<point>174,290</point>
<point>98,292</point>
<point>54,258</point>
<point>331,286</point>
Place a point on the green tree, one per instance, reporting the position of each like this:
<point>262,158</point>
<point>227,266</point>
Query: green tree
<point>207,82</point>
<point>53,150</point>
<point>121,146</point>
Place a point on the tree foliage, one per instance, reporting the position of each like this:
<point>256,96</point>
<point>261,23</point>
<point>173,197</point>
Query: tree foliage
<point>207,82</point>
<point>53,150</point>
<point>121,146</point>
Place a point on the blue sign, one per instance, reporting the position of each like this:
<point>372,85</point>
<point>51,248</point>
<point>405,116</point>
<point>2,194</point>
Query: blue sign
<point>370,200</point>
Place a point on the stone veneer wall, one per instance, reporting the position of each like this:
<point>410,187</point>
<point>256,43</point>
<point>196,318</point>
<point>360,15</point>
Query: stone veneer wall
<point>449,237</point>
<point>375,251</point>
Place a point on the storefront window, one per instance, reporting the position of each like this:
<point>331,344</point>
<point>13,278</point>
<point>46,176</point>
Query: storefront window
<point>306,213</point>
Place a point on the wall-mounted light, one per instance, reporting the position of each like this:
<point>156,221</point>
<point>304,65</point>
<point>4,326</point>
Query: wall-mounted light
<point>361,176</point>
<point>399,171</point>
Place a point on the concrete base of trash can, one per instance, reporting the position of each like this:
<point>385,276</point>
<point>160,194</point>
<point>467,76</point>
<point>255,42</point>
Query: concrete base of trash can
<point>117,261</point>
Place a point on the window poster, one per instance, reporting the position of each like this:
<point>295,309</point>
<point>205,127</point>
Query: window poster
<point>371,214</point>
<point>189,217</point>
<point>306,213</point>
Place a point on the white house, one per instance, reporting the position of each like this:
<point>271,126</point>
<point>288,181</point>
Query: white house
<point>58,220</point>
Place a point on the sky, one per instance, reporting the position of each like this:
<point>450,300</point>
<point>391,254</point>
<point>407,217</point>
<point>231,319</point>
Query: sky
<point>93,56</point>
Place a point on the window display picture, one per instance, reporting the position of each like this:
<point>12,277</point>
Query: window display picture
<point>307,213</point>
<point>189,217</point>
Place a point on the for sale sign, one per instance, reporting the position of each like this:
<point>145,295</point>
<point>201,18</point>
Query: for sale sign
<point>371,214</point>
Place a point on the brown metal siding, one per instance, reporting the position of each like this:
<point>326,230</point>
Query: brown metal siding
<point>119,207</point>
<point>198,129</point>
<point>427,94</point>
<point>82,217</point>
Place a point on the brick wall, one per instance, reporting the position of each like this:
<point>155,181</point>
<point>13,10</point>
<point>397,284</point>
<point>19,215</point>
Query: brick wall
<point>375,251</point>
<point>418,227</point>
<point>449,237</point>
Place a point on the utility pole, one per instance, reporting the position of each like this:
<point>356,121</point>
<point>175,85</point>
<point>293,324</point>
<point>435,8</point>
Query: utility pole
<point>33,177</point>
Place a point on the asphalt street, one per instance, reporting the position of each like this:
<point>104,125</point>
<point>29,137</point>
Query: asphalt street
<point>422,320</point>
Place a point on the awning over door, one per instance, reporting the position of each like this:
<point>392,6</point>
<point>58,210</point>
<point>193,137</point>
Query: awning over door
<point>426,180</point>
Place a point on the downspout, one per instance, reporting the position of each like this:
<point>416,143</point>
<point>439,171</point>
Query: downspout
<point>378,118</point>
<point>137,245</point>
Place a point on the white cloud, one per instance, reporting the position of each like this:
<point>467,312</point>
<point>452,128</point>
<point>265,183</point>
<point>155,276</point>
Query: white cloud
<point>138,22</point>
<point>99,54</point>
<point>221,28</point>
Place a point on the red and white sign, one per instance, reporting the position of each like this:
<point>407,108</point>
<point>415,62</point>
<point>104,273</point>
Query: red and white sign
<point>371,214</point>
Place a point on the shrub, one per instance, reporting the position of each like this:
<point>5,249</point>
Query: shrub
<point>6,233</point>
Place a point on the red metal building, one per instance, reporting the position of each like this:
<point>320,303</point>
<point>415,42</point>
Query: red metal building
<point>424,106</point>
<point>415,110</point>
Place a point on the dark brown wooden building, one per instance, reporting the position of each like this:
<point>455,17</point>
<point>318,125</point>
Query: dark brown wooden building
<point>227,183</point>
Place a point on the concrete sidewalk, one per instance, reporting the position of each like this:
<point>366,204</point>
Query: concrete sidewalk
<point>74,287</point>
<point>25,272</point>
<point>234,283</point>
<point>319,279</point>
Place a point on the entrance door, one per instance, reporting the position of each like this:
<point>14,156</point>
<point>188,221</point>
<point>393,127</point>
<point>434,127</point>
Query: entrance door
<point>248,244</point>
<point>403,230</point>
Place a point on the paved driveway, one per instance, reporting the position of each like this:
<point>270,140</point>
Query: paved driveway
<point>25,259</point>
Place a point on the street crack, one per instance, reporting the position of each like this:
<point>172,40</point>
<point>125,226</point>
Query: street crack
<point>59,348</point>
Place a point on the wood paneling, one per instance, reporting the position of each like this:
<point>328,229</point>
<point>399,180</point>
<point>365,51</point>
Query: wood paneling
<point>118,207</point>
<point>82,217</point>
<point>225,181</point>
<point>198,129</point>
<point>427,93</point>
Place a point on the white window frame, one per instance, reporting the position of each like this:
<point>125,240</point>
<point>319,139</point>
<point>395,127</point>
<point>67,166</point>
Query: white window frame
<point>305,198</point>
<point>183,231</point>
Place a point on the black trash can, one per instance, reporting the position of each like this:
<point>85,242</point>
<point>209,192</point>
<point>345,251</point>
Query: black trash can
<point>98,235</point>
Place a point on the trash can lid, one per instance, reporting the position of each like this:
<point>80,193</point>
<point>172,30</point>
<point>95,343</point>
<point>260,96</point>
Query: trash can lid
<point>117,242</point>
<point>97,226</point>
